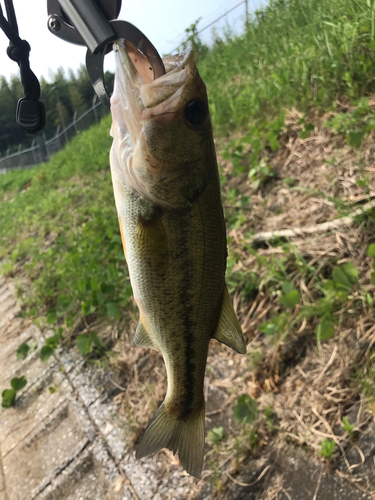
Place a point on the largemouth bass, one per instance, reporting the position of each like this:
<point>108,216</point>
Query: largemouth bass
<point>167,193</point>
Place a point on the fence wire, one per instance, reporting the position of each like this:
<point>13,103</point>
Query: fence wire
<point>42,149</point>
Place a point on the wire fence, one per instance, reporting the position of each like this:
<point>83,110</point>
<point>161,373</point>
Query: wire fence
<point>42,148</point>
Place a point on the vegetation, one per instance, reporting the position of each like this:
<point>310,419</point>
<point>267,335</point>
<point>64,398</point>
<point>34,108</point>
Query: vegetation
<point>294,126</point>
<point>301,53</point>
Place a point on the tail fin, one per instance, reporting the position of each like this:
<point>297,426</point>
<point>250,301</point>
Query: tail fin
<point>184,437</point>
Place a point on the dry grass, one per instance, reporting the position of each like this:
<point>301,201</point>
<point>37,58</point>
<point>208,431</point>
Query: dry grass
<point>309,388</point>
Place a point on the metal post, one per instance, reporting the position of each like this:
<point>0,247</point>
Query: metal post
<point>61,115</point>
<point>94,109</point>
<point>75,122</point>
<point>45,147</point>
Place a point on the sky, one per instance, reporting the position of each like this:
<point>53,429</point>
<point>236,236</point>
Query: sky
<point>162,21</point>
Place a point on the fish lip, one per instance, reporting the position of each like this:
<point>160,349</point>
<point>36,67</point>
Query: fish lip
<point>132,92</point>
<point>176,76</point>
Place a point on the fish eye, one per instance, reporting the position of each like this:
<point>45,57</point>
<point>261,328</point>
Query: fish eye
<point>196,112</point>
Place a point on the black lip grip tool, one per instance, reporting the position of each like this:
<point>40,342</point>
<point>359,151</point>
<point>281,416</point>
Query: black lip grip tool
<point>94,23</point>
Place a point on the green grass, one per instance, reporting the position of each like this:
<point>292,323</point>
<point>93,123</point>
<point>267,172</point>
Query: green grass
<point>300,53</point>
<point>62,232</point>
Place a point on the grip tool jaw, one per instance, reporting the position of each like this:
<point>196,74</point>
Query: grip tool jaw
<point>94,24</point>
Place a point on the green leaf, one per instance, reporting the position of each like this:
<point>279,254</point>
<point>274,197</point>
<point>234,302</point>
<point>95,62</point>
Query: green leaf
<point>52,390</point>
<point>63,301</point>
<point>113,310</point>
<point>83,344</point>
<point>53,341</point>
<point>268,328</point>
<point>347,426</point>
<point>59,333</point>
<point>23,351</point>
<point>355,138</point>
<point>46,352</point>
<point>345,275</point>
<point>81,285</point>
<point>287,287</point>
<point>51,316</point>
<point>216,434</point>
<point>245,410</point>
<point>68,322</point>
<point>327,448</point>
<point>272,139</point>
<point>325,329</point>
<point>86,307</point>
<point>106,288</point>
<point>18,383</point>
<point>371,250</point>
<point>94,284</point>
<point>96,340</point>
<point>291,299</point>
<point>8,396</point>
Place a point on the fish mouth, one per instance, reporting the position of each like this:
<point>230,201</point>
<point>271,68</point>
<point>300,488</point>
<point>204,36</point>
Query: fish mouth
<point>137,96</point>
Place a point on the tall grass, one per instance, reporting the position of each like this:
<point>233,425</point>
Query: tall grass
<point>295,53</point>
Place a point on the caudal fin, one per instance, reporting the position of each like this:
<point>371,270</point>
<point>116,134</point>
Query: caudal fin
<point>184,437</point>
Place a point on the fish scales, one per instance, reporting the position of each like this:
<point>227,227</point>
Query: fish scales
<point>174,237</point>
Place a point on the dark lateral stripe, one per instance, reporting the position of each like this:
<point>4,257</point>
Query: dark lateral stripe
<point>190,376</point>
<point>186,292</point>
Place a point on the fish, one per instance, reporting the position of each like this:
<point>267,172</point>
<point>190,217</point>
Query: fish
<point>167,193</point>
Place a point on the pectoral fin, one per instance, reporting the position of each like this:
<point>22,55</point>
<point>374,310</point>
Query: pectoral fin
<point>228,330</point>
<point>152,242</point>
<point>142,338</point>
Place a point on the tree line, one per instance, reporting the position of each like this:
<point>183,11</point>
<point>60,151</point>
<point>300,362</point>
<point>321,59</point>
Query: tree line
<point>67,93</point>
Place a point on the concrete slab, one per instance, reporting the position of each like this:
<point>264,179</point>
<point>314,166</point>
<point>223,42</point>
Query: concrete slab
<point>91,476</point>
<point>44,453</point>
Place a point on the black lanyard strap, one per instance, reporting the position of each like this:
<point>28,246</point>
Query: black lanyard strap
<point>30,113</point>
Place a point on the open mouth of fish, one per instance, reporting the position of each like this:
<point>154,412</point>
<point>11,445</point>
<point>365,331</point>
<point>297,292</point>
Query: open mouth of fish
<point>141,97</point>
<point>160,126</point>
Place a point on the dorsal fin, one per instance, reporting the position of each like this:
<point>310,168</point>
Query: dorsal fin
<point>228,330</point>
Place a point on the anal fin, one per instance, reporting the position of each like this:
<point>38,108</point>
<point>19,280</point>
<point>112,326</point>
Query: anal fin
<point>142,338</point>
<point>228,330</point>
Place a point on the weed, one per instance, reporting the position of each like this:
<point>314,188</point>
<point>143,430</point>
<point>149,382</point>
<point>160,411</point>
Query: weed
<point>247,153</point>
<point>348,427</point>
<point>90,343</point>
<point>9,395</point>
<point>270,419</point>
<point>216,435</point>
<point>245,410</point>
<point>355,124</point>
<point>327,447</point>
<point>24,350</point>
